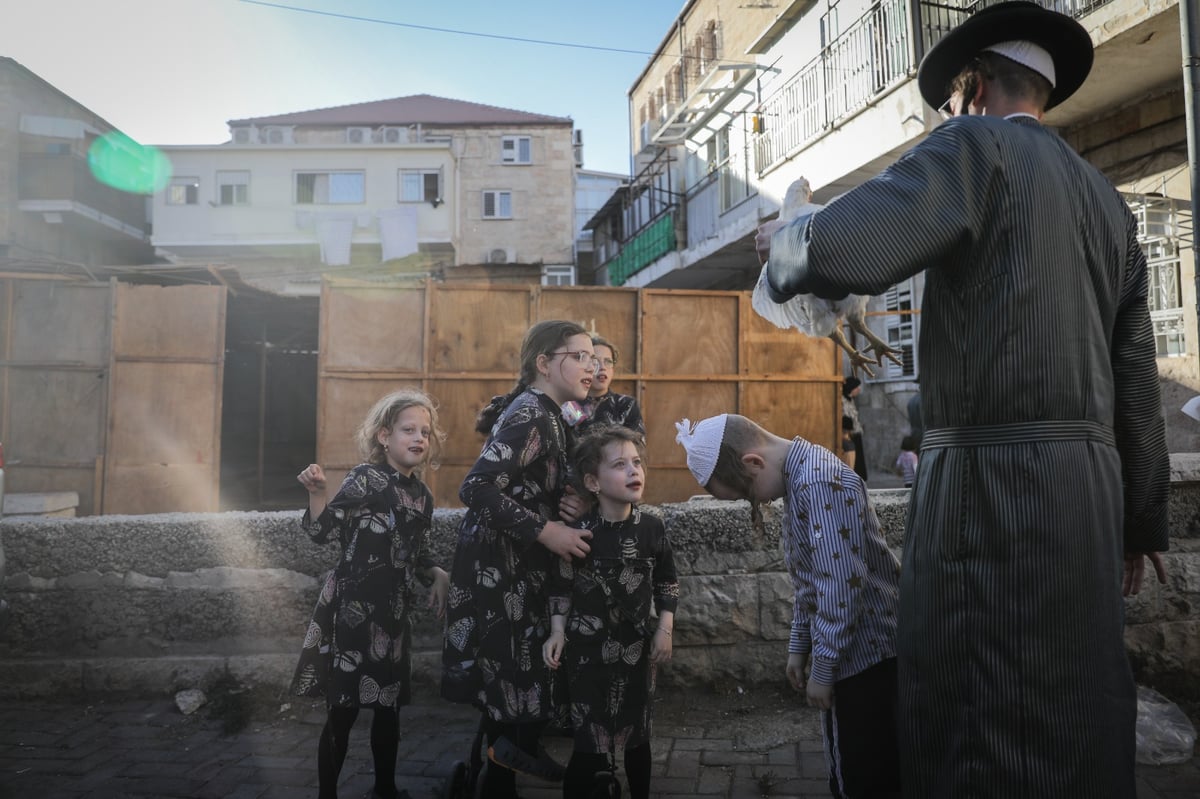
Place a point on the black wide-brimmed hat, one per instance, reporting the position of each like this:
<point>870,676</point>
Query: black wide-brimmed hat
<point>1067,42</point>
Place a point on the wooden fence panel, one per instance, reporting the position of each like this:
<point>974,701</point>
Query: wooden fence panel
<point>683,354</point>
<point>388,333</point>
<point>164,425</point>
<point>54,363</point>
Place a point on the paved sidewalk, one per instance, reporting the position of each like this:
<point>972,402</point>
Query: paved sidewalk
<point>753,744</point>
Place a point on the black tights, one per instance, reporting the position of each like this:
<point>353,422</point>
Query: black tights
<point>335,740</point>
<point>499,782</point>
<point>582,768</point>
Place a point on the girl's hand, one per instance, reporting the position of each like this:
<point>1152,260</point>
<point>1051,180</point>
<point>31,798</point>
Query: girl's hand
<point>553,648</point>
<point>313,479</point>
<point>660,646</point>
<point>572,506</point>
<point>438,591</point>
<point>566,542</point>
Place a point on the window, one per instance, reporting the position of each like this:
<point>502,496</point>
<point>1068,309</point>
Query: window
<point>1164,296</point>
<point>183,191</point>
<point>497,205</point>
<point>900,330</point>
<point>558,275</point>
<point>731,170</point>
<point>330,188</point>
<point>420,185</point>
<point>516,150</point>
<point>233,188</point>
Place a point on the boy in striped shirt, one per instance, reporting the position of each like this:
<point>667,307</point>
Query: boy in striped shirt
<point>846,582</point>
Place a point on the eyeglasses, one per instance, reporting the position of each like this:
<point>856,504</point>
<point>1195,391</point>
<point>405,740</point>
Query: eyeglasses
<point>580,356</point>
<point>607,362</point>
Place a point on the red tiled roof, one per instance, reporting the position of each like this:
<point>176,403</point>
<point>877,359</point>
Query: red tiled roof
<point>424,109</point>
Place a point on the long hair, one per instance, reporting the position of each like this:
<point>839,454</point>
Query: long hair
<point>589,449</point>
<point>541,339</point>
<point>383,415</point>
<point>741,435</point>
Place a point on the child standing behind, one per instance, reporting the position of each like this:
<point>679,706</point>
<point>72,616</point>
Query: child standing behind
<point>906,461</point>
<point>603,602</point>
<point>357,649</point>
<point>510,540</point>
<point>846,582</point>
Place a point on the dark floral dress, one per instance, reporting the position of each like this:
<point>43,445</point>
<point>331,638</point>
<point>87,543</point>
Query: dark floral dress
<point>618,409</point>
<point>609,628</point>
<point>357,649</point>
<point>497,615</point>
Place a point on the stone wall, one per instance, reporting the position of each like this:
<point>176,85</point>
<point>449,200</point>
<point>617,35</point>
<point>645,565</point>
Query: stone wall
<point>156,603</point>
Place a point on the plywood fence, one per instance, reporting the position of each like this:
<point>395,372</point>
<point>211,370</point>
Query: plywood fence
<point>683,354</point>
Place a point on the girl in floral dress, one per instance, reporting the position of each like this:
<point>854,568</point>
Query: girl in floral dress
<point>602,405</point>
<point>510,540</point>
<point>356,652</point>
<point>602,628</point>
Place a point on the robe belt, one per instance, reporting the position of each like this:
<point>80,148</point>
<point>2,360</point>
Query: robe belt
<point>1018,433</point>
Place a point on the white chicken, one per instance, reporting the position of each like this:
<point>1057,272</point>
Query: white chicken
<point>810,314</point>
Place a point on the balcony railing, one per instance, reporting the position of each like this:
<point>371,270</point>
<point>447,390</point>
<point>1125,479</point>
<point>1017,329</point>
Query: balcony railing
<point>68,178</point>
<point>655,241</point>
<point>878,51</point>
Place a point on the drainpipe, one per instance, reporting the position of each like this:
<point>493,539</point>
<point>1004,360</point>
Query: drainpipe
<point>1189,32</point>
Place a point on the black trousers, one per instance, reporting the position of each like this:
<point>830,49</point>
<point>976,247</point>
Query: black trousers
<point>860,735</point>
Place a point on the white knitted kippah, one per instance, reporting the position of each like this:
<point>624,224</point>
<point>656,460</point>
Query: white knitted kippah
<point>702,443</point>
<point>1028,54</point>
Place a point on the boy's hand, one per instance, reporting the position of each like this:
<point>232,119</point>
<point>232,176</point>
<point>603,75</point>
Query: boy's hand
<point>660,646</point>
<point>313,479</point>
<point>553,648</point>
<point>438,591</point>
<point>795,669</point>
<point>820,695</point>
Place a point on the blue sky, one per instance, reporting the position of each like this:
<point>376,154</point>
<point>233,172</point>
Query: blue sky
<point>174,71</point>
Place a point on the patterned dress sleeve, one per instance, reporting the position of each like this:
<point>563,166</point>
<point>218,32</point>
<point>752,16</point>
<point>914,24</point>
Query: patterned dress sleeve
<point>423,561</point>
<point>633,420</point>
<point>665,578</point>
<point>360,482</point>
<point>560,582</point>
<point>520,439</point>
<point>1138,424</point>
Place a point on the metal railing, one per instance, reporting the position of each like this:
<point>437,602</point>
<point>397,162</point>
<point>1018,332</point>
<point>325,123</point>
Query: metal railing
<point>879,50</point>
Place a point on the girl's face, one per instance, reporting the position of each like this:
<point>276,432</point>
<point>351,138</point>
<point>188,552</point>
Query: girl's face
<point>605,370</point>
<point>620,478</point>
<point>407,443</point>
<point>563,375</point>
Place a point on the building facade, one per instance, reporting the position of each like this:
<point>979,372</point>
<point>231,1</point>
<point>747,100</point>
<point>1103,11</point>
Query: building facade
<point>827,90</point>
<point>417,185</point>
<point>55,215</point>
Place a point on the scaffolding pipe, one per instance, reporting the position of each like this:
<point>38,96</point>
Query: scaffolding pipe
<point>1189,34</point>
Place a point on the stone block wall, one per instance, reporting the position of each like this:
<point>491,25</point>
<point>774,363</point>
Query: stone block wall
<point>156,603</point>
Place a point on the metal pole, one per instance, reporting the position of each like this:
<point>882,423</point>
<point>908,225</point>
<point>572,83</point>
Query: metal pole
<point>1189,32</point>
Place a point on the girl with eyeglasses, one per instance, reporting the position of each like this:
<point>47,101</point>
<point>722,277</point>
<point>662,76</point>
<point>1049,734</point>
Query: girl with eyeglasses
<point>604,406</point>
<point>510,540</point>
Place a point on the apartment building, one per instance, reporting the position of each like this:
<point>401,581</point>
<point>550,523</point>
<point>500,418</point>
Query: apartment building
<point>827,90</point>
<point>408,186</point>
<point>55,215</point>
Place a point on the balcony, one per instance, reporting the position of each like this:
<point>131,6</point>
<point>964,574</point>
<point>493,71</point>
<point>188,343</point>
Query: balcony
<point>882,49</point>
<point>56,185</point>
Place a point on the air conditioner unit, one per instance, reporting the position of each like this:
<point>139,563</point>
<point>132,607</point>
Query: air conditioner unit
<point>501,255</point>
<point>394,135</point>
<point>245,135</point>
<point>359,135</point>
<point>275,134</point>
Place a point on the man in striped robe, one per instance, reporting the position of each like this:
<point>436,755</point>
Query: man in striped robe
<point>1044,474</point>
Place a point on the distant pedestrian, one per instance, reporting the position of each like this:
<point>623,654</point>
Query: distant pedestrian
<point>848,451</point>
<point>602,604</point>
<point>357,649</point>
<point>906,461</point>
<point>915,424</point>
<point>846,584</point>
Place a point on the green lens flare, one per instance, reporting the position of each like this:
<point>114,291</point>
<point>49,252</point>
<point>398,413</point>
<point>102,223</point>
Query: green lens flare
<point>118,161</point>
